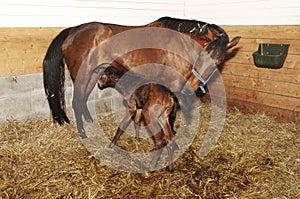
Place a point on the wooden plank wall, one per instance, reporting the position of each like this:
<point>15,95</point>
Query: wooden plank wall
<point>272,91</point>
<point>251,89</point>
<point>22,50</point>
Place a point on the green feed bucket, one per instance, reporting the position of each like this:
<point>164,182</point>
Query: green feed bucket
<point>270,55</point>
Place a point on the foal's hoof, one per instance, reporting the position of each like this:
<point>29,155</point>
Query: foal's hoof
<point>170,168</point>
<point>111,145</point>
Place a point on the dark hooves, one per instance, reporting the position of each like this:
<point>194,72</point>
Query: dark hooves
<point>82,134</point>
<point>111,145</point>
<point>89,120</point>
<point>67,120</point>
<point>170,168</point>
<point>176,147</point>
<point>61,119</point>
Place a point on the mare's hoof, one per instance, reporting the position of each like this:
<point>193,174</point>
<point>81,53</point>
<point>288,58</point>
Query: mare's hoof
<point>60,120</point>
<point>176,147</point>
<point>89,120</point>
<point>82,134</point>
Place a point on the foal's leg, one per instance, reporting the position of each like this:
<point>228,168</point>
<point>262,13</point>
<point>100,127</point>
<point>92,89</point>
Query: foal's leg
<point>122,127</point>
<point>171,144</point>
<point>137,123</point>
<point>163,120</point>
<point>152,124</point>
<point>172,116</point>
<point>159,142</point>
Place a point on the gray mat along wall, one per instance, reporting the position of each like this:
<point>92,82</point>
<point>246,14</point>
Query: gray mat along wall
<point>22,97</point>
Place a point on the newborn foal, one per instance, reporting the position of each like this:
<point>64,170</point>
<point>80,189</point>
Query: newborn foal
<point>158,109</point>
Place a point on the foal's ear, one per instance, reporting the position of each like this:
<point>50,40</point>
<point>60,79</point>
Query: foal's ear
<point>233,42</point>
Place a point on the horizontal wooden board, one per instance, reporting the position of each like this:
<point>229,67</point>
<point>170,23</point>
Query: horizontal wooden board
<point>234,104</point>
<point>22,49</point>
<point>251,44</point>
<point>269,99</point>
<point>265,32</point>
<point>258,108</point>
<point>13,35</point>
<point>251,71</point>
<point>263,85</point>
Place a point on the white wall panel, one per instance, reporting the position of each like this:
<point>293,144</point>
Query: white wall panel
<point>244,12</point>
<point>41,13</point>
<point>45,13</point>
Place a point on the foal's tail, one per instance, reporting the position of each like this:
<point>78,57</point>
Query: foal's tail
<point>54,77</point>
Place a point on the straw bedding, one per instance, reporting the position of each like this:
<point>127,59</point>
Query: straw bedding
<point>255,157</point>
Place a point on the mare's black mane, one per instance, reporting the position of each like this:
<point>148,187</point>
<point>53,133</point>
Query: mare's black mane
<point>187,25</point>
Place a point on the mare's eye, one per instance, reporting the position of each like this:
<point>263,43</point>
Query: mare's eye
<point>218,36</point>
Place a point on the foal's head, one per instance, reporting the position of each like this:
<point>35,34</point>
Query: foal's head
<point>109,78</point>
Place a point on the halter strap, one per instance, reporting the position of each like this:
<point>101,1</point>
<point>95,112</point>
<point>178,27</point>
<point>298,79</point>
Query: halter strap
<point>198,76</point>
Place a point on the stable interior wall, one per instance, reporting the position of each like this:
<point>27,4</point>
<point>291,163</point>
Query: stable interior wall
<point>253,89</point>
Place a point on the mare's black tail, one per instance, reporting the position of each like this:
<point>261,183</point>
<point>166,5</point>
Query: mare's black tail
<point>54,78</point>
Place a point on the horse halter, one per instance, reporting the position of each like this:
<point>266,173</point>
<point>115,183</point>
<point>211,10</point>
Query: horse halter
<point>199,77</point>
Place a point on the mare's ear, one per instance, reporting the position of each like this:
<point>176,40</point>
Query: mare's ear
<point>233,42</point>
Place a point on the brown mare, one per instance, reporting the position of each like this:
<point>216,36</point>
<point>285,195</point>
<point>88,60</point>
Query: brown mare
<point>160,120</point>
<point>182,45</point>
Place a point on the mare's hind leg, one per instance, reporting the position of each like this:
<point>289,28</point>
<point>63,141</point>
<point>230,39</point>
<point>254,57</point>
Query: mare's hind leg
<point>58,112</point>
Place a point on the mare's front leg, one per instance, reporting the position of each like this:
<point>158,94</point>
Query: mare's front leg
<point>94,76</point>
<point>77,107</point>
<point>81,86</point>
